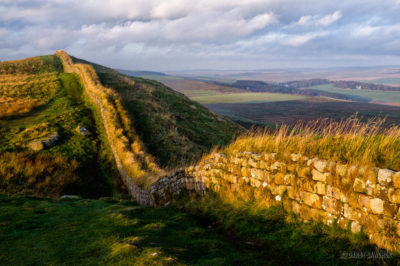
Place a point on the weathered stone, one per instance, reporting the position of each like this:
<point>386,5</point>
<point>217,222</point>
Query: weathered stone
<point>359,185</point>
<point>278,190</point>
<point>289,180</point>
<point>318,176</point>
<point>364,202</point>
<point>311,161</point>
<point>394,195</point>
<point>245,171</point>
<point>304,172</point>
<point>331,205</point>
<point>355,227</point>
<point>231,178</point>
<point>308,185</point>
<point>82,130</point>
<point>295,207</point>
<point>279,178</point>
<point>255,183</point>
<point>332,191</point>
<point>311,199</point>
<point>320,165</point>
<point>295,157</point>
<point>36,145</point>
<point>376,206</point>
<point>253,163</point>
<point>385,176</point>
<point>292,168</point>
<point>277,166</point>
<point>320,188</point>
<point>396,180</point>
<point>292,192</point>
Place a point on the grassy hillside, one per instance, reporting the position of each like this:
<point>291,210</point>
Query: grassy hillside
<point>42,151</point>
<point>174,129</point>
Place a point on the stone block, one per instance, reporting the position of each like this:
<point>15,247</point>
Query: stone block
<point>291,192</point>
<point>331,205</point>
<point>355,227</point>
<point>320,165</point>
<point>295,157</point>
<point>279,178</point>
<point>278,190</point>
<point>289,180</point>
<point>333,192</point>
<point>311,199</point>
<point>292,168</point>
<point>278,166</point>
<point>377,206</point>
<point>394,195</point>
<point>245,171</point>
<point>385,176</point>
<point>364,202</point>
<point>396,180</point>
<point>308,185</point>
<point>318,176</point>
<point>320,188</point>
<point>253,163</point>
<point>304,172</point>
<point>359,185</point>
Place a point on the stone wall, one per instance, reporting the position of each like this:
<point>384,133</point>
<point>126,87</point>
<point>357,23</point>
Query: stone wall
<point>165,188</point>
<point>357,198</point>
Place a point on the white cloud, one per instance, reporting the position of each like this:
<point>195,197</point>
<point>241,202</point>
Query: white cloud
<point>156,31</point>
<point>319,20</point>
<point>364,31</point>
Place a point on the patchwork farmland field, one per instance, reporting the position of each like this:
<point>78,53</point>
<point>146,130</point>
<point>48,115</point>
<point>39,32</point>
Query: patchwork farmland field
<point>290,112</point>
<point>385,97</point>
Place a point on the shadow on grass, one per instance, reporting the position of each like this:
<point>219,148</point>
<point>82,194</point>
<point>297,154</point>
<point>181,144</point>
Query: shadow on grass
<point>108,231</point>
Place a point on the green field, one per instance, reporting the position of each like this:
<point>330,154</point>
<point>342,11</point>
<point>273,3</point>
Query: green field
<point>380,96</point>
<point>394,81</point>
<point>247,97</point>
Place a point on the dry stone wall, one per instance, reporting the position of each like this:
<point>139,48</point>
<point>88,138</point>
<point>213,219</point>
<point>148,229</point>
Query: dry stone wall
<point>165,188</point>
<point>357,198</point>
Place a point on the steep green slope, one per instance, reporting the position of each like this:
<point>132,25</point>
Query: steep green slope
<point>42,151</point>
<point>174,129</point>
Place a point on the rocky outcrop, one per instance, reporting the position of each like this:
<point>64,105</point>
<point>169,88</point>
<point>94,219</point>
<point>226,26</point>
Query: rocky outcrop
<point>45,143</point>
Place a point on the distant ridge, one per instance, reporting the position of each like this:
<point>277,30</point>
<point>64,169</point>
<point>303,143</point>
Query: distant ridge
<point>141,73</point>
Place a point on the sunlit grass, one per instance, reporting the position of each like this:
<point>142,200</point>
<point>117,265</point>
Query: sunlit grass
<point>348,141</point>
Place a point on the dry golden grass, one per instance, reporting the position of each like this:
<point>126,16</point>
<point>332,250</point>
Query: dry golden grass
<point>22,93</point>
<point>349,141</point>
<point>40,174</point>
<point>11,107</point>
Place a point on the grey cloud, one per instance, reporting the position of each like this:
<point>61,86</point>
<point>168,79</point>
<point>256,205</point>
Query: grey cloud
<point>159,34</point>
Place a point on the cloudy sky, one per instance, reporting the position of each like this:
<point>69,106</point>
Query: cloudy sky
<point>205,34</point>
